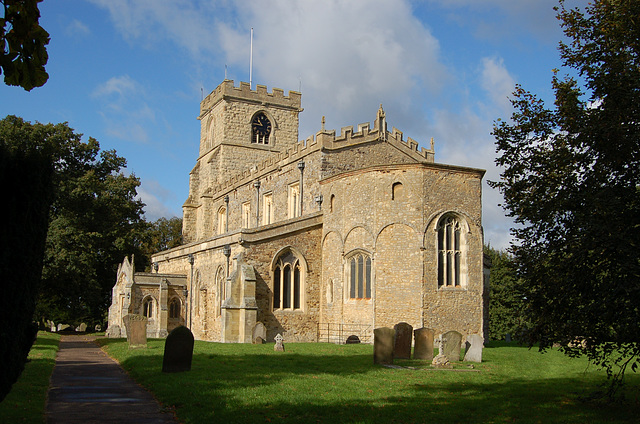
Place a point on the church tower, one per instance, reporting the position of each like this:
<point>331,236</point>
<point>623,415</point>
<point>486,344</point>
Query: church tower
<point>240,128</point>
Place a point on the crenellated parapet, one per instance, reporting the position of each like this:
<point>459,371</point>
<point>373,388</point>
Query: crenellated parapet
<point>324,139</point>
<point>229,92</point>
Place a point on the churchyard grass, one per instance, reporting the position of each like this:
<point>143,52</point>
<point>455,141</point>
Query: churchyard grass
<point>26,400</point>
<point>318,383</point>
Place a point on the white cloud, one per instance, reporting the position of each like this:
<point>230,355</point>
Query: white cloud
<point>77,29</point>
<point>123,86</point>
<point>498,83</point>
<point>156,198</point>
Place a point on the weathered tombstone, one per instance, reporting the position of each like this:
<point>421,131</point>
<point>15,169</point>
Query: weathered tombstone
<point>402,342</point>
<point>474,345</point>
<point>507,338</point>
<point>423,346</point>
<point>441,360</point>
<point>383,345</point>
<point>98,328</point>
<point>114,331</point>
<point>62,327</point>
<point>353,339</point>
<point>136,330</point>
<point>81,328</point>
<point>451,345</point>
<point>259,332</point>
<point>178,350</point>
<point>279,347</point>
<point>54,328</point>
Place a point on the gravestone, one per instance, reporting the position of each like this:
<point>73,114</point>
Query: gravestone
<point>98,328</point>
<point>62,327</point>
<point>441,360</point>
<point>507,338</point>
<point>423,346</point>
<point>81,328</point>
<point>178,350</point>
<point>402,342</point>
<point>383,342</point>
<point>259,332</point>
<point>114,331</point>
<point>136,330</point>
<point>353,339</point>
<point>54,328</point>
<point>452,341</point>
<point>279,347</point>
<point>474,345</point>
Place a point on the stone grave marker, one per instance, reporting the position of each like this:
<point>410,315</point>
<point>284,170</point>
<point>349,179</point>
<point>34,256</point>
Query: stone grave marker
<point>114,331</point>
<point>441,360</point>
<point>81,328</point>
<point>507,338</point>
<point>402,342</point>
<point>62,327</point>
<point>452,344</point>
<point>423,346</point>
<point>279,347</point>
<point>136,330</point>
<point>98,328</point>
<point>178,350</point>
<point>474,345</point>
<point>383,342</point>
<point>259,332</point>
<point>352,339</point>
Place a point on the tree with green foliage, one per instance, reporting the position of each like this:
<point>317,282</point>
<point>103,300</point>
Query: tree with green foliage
<point>162,234</point>
<point>23,41</point>
<point>96,220</point>
<point>26,170</point>
<point>571,180</point>
<point>506,298</point>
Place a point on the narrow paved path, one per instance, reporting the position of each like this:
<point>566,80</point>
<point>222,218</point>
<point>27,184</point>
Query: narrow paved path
<point>89,387</point>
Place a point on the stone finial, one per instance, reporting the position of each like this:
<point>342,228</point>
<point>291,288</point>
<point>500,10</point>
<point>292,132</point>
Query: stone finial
<point>432,143</point>
<point>322,127</point>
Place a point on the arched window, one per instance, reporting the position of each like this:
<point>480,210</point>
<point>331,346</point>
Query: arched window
<point>451,250</point>
<point>359,268</point>
<point>332,203</point>
<point>397,191</point>
<point>288,281</point>
<point>147,307</point>
<point>222,220</point>
<point>260,129</point>
<point>174,308</point>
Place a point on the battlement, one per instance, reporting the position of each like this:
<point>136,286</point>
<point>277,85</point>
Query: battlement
<point>228,91</point>
<point>324,140</point>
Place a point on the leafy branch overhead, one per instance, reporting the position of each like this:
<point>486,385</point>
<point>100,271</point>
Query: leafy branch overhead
<point>23,41</point>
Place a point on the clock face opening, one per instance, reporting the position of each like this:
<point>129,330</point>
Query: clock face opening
<point>260,129</point>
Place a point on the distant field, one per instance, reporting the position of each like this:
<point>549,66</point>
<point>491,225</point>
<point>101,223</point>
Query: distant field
<point>25,402</point>
<point>326,383</point>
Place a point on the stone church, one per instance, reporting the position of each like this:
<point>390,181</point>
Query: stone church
<point>318,239</point>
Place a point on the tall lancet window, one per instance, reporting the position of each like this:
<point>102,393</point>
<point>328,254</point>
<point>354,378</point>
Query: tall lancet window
<point>288,282</point>
<point>260,129</point>
<point>451,252</point>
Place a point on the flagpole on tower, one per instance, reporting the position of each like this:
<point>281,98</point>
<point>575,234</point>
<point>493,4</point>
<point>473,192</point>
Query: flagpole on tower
<point>251,62</point>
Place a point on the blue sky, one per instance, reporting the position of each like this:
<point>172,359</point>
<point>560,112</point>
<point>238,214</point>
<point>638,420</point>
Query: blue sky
<point>131,74</point>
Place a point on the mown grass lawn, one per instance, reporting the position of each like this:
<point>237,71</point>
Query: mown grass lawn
<point>326,383</point>
<point>26,401</point>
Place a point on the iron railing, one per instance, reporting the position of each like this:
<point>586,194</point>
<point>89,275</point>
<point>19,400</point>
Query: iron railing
<point>329,332</point>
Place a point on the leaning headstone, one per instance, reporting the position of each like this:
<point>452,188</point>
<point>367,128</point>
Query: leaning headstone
<point>259,332</point>
<point>402,342</point>
<point>383,345</point>
<point>62,327</point>
<point>474,346</point>
<point>114,331</point>
<point>136,330</point>
<point>451,345</point>
<point>178,350</point>
<point>423,345</point>
<point>279,347</point>
<point>352,339</point>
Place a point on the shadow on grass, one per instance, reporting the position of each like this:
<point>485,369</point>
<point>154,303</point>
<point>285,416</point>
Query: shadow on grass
<point>324,383</point>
